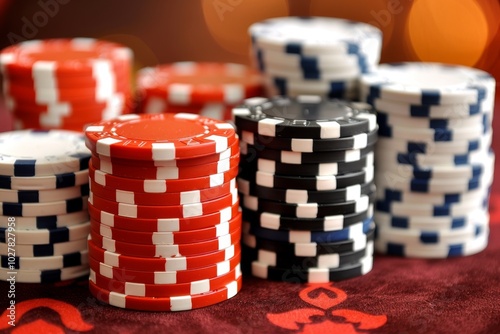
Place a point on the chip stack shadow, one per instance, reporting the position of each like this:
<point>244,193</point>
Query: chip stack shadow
<point>306,188</point>
<point>165,219</point>
<point>434,163</point>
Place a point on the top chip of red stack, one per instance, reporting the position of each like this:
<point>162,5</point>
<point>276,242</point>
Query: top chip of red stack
<point>161,137</point>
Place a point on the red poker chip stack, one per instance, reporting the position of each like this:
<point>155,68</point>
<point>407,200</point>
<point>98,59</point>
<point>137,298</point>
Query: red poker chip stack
<point>66,83</point>
<point>207,89</point>
<point>165,219</point>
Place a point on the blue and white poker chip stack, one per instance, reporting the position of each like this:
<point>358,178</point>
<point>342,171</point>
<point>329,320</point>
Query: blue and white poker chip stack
<point>434,163</point>
<point>314,55</point>
<point>306,188</point>
<point>44,222</point>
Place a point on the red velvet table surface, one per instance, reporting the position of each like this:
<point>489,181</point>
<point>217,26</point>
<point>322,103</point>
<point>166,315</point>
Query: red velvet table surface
<point>459,295</point>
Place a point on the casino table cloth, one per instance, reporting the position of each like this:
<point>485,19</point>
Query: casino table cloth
<point>457,295</point>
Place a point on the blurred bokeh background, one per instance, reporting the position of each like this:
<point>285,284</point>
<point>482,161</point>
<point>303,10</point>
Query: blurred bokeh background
<point>159,31</point>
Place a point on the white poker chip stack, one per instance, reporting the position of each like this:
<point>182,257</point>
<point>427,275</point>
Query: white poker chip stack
<point>314,55</point>
<point>44,222</point>
<point>434,163</point>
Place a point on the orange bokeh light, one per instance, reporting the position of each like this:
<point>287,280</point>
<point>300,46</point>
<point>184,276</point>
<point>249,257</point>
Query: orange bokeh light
<point>228,20</point>
<point>448,31</point>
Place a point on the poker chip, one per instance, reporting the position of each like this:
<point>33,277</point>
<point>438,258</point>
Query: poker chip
<point>303,117</point>
<point>435,185</point>
<point>430,223</point>
<point>313,249</point>
<point>306,210</point>
<point>174,303</point>
<point>299,158</point>
<point>434,165</point>
<point>433,123</point>
<point>66,83</point>
<point>153,137</point>
<point>276,221</point>
<point>47,182</point>
<point>164,207</point>
<point>304,274</point>
<point>425,160</point>
<point>470,247</point>
<point>164,224</point>
<point>47,236</point>
<point>420,209</point>
<point>306,145</point>
<point>195,161</point>
<point>141,250</point>
<point>168,172</point>
<point>298,196</point>
<point>427,83</point>
<point>37,153</point>
<point>445,111</point>
<point>46,263</point>
<point>165,238</point>
<point>203,88</point>
<point>44,189</point>
<point>170,198</point>
<point>332,260</point>
<point>433,199</point>
<point>43,209</point>
<point>157,211</point>
<point>455,148</point>
<point>45,276</point>
<point>158,269</point>
<point>350,232</point>
<point>314,55</point>
<point>156,186</point>
<point>46,222</point>
<point>321,183</point>
<point>49,249</point>
<point>309,169</point>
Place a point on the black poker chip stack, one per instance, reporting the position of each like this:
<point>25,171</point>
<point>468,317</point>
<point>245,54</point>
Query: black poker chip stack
<point>306,188</point>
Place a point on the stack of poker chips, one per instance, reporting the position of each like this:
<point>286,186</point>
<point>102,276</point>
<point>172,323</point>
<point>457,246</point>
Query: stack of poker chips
<point>164,208</point>
<point>434,160</point>
<point>44,221</point>
<point>306,188</point>
<point>65,83</point>
<point>207,89</point>
<point>314,55</point>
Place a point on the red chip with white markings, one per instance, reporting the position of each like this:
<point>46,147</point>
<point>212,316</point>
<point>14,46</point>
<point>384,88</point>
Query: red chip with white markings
<point>159,137</point>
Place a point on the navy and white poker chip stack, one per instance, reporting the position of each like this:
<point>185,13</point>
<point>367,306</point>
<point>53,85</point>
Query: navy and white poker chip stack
<point>314,55</point>
<point>306,188</point>
<point>44,222</point>
<point>434,163</point>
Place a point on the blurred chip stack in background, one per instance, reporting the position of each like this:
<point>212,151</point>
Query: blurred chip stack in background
<point>207,89</point>
<point>314,56</point>
<point>44,222</point>
<point>66,83</point>
<point>434,162</point>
